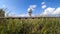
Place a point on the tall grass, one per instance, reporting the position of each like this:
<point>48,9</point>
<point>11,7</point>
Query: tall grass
<point>30,26</point>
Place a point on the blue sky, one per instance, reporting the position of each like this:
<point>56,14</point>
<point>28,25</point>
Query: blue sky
<point>20,7</point>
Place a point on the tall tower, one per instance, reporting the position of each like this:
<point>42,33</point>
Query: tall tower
<point>30,12</point>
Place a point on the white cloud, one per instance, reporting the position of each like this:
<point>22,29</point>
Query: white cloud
<point>47,11</point>
<point>31,7</point>
<point>43,3</point>
<point>23,15</point>
<point>15,15</point>
<point>44,6</point>
<point>50,11</point>
<point>11,15</point>
<point>57,11</point>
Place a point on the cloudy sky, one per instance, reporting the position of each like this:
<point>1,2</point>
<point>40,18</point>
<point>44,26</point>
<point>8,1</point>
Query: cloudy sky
<point>39,7</point>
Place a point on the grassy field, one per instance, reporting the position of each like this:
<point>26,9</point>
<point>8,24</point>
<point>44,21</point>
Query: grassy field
<point>30,26</point>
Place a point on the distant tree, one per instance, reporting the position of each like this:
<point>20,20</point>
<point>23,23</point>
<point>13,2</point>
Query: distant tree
<point>2,13</point>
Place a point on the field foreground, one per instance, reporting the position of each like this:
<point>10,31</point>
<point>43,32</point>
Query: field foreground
<point>30,26</point>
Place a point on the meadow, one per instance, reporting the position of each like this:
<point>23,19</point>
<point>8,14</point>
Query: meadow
<point>30,26</point>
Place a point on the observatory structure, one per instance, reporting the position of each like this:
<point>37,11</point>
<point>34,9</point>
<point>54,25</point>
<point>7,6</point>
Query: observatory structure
<point>30,12</point>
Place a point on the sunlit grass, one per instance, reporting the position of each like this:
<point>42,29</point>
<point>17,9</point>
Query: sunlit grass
<point>30,26</point>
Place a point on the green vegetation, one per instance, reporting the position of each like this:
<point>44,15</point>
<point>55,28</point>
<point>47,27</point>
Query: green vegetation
<point>30,26</point>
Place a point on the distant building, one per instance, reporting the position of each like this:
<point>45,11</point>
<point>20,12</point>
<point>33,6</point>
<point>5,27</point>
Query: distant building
<point>2,13</point>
